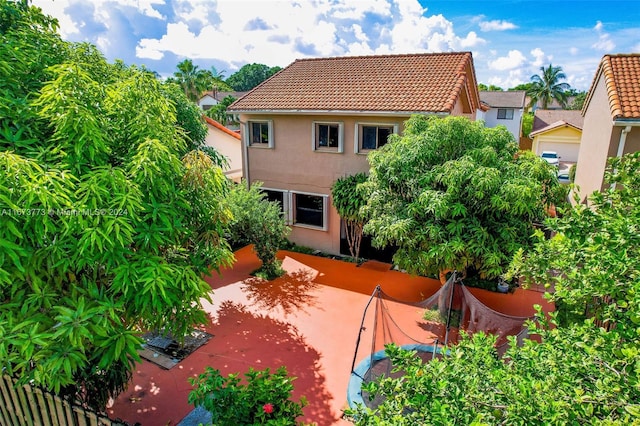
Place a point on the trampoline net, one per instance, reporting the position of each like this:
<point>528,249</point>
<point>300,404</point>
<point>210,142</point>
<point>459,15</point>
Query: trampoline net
<point>423,326</point>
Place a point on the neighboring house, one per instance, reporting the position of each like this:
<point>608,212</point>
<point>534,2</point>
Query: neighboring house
<point>505,108</point>
<point>317,119</point>
<point>559,131</point>
<point>211,98</point>
<point>226,142</point>
<point>611,119</point>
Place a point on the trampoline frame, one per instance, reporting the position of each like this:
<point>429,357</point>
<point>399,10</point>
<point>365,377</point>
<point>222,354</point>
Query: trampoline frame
<point>354,390</point>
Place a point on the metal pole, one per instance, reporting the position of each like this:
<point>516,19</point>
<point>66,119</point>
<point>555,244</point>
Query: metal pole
<point>454,278</point>
<point>376,291</point>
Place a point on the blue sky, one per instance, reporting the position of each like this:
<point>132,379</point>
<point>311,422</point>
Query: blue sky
<point>510,40</point>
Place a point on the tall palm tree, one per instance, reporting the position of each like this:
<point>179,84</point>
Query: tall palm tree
<point>193,81</point>
<point>548,86</point>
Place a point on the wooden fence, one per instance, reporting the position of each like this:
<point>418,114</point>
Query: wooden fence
<point>22,405</point>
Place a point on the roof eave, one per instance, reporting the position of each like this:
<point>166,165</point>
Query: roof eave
<point>634,122</point>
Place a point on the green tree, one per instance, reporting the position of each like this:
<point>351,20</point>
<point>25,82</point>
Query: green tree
<point>193,80</point>
<point>548,87</point>
<point>216,80</point>
<point>250,75</point>
<point>259,222</point>
<point>577,372</point>
<point>219,111</point>
<point>597,247</point>
<point>491,87</point>
<point>578,101</point>
<point>453,194</point>
<point>108,218</point>
<point>524,86</point>
<point>349,199</point>
<point>527,123</point>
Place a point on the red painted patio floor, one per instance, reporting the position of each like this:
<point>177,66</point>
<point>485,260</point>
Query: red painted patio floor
<point>307,320</point>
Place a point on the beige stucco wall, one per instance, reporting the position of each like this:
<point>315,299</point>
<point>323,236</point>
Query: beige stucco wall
<point>293,165</point>
<point>230,147</point>
<point>598,140</point>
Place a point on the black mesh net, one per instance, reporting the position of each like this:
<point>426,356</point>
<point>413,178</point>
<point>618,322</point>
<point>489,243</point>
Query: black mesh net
<point>425,327</point>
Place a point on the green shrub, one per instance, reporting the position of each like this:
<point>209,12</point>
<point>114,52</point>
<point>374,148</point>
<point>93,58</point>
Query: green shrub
<point>263,400</point>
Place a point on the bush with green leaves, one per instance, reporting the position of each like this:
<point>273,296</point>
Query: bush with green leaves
<point>260,222</point>
<point>452,194</point>
<point>264,398</point>
<point>109,217</point>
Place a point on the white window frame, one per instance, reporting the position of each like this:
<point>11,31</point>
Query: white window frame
<point>506,114</point>
<point>325,210</point>
<point>247,132</point>
<point>358,137</point>
<point>286,202</point>
<point>314,137</point>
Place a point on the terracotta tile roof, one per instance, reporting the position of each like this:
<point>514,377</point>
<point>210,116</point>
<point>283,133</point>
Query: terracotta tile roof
<point>499,99</point>
<point>548,118</point>
<point>429,82</point>
<point>220,127</point>
<point>622,79</point>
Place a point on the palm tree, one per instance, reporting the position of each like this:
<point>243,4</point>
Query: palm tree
<point>217,80</point>
<point>547,87</point>
<point>192,80</point>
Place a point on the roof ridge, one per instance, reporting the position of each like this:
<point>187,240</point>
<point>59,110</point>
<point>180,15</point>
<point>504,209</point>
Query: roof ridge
<point>388,55</point>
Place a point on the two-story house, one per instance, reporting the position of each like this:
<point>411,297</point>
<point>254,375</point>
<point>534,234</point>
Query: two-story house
<point>504,108</point>
<point>611,119</point>
<point>317,119</point>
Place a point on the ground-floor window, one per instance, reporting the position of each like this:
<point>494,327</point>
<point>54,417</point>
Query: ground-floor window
<point>300,208</point>
<point>309,210</point>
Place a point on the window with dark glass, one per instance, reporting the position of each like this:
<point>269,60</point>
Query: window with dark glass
<point>259,132</point>
<point>373,137</point>
<point>327,135</point>
<point>505,114</point>
<point>277,196</point>
<point>309,210</point>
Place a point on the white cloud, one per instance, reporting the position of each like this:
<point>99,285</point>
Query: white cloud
<point>496,25</point>
<point>604,42</point>
<point>574,51</point>
<point>514,59</point>
<point>511,79</point>
<point>538,54</point>
<point>56,9</point>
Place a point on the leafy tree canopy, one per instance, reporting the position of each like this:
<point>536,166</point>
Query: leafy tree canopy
<point>453,194</point>
<point>578,101</point>
<point>250,75</point>
<point>597,248</point>
<point>349,198</point>
<point>578,373</point>
<point>108,217</point>
<point>490,87</point>
<point>523,86</point>
<point>260,222</point>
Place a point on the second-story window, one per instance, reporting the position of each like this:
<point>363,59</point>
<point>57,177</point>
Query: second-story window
<point>373,136</point>
<point>327,137</point>
<point>505,114</point>
<point>260,133</point>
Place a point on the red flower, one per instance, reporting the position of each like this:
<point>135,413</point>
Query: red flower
<point>267,408</point>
